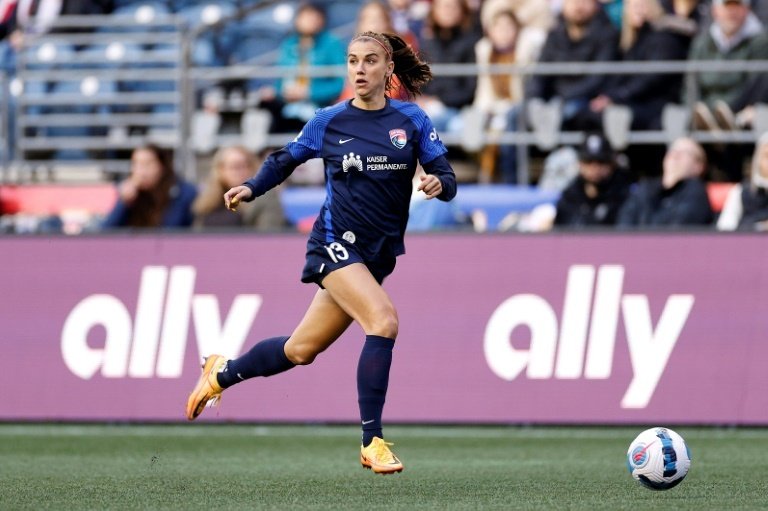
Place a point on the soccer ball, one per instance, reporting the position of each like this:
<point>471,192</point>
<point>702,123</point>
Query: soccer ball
<point>658,458</point>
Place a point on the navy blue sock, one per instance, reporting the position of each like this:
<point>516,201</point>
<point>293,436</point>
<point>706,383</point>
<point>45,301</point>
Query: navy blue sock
<point>264,359</point>
<point>372,382</point>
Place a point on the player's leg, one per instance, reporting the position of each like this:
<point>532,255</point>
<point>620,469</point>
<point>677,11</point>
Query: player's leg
<point>322,324</point>
<point>361,296</point>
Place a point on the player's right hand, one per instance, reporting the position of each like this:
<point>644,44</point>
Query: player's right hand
<point>234,196</point>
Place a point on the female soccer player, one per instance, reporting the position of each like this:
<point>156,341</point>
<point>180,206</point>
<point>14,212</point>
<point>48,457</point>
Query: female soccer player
<point>371,145</point>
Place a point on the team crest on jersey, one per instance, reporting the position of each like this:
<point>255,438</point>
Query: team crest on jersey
<point>398,138</point>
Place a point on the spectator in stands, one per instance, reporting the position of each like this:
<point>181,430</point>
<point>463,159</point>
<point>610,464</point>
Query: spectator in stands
<point>499,96</point>
<point>645,94</point>
<point>408,18</point>
<point>152,195</point>
<point>232,166</point>
<point>449,37</point>
<point>294,100</point>
<point>582,33</point>
<point>684,19</point>
<point>746,206</point>
<point>374,16</point>
<point>615,11</point>
<point>735,34</point>
<point>405,18</point>
<point>595,196</point>
<point>530,13</point>
<point>677,198</point>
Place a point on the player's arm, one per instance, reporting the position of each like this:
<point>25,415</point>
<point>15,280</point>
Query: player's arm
<point>278,166</point>
<point>440,180</point>
<point>275,169</point>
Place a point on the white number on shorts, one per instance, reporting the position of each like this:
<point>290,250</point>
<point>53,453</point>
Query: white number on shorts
<point>337,252</point>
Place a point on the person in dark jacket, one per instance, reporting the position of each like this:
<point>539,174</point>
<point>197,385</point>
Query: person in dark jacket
<point>595,196</point>
<point>677,198</point>
<point>152,196</point>
<point>642,39</point>
<point>583,33</point>
<point>448,37</point>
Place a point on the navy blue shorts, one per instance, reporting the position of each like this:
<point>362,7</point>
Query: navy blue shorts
<point>322,259</point>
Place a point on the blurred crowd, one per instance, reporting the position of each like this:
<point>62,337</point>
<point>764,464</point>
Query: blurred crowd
<point>601,182</point>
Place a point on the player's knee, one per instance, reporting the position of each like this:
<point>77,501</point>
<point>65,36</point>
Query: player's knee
<point>385,323</point>
<point>301,355</point>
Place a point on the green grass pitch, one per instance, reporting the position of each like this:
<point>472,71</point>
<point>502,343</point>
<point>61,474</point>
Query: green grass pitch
<point>195,466</point>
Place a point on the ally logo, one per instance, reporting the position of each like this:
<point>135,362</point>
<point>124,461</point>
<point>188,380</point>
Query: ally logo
<point>153,342</point>
<point>587,333</point>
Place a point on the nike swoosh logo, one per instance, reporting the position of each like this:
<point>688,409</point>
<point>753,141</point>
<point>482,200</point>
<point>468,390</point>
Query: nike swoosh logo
<point>344,141</point>
<point>368,422</point>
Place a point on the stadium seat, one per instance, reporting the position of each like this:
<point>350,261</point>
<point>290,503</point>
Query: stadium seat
<point>110,55</point>
<point>208,49</point>
<point>142,14</point>
<point>259,33</point>
<point>144,11</point>
<point>49,54</point>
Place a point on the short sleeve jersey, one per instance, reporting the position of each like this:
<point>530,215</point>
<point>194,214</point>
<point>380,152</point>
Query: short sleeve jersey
<point>370,159</point>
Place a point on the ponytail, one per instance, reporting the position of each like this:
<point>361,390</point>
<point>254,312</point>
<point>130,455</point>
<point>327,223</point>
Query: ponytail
<point>411,72</point>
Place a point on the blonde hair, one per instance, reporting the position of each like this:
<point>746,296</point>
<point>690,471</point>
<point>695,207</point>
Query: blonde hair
<point>628,32</point>
<point>757,180</point>
<point>210,198</point>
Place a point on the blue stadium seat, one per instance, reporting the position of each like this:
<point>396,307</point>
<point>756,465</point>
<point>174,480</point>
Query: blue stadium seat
<point>50,54</point>
<point>210,48</point>
<point>81,91</point>
<point>260,32</point>
<point>255,44</point>
<point>142,13</point>
<point>111,55</point>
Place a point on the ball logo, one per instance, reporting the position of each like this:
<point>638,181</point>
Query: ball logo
<point>639,455</point>
<point>398,138</point>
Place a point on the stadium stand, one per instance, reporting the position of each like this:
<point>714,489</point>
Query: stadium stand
<point>85,95</point>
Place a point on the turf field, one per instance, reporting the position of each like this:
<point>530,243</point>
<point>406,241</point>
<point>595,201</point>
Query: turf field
<point>316,467</point>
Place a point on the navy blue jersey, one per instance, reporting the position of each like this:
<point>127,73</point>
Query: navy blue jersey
<point>370,159</point>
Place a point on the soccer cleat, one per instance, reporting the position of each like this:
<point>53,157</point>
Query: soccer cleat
<point>379,458</point>
<point>207,391</point>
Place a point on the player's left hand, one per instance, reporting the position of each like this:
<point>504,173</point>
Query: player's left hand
<point>430,185</point>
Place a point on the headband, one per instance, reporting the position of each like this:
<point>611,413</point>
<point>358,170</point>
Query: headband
<point>376,40</point>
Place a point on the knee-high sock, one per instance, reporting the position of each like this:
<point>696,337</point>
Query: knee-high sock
<point>372,382</point>
<point>266,358</point>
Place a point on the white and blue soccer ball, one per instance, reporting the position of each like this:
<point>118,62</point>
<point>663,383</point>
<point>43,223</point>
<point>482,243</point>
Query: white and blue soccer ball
<point>658,458</point>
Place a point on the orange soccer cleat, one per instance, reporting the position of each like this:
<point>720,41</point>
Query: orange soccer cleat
<point>207,391</point>
<point>379,458</point>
